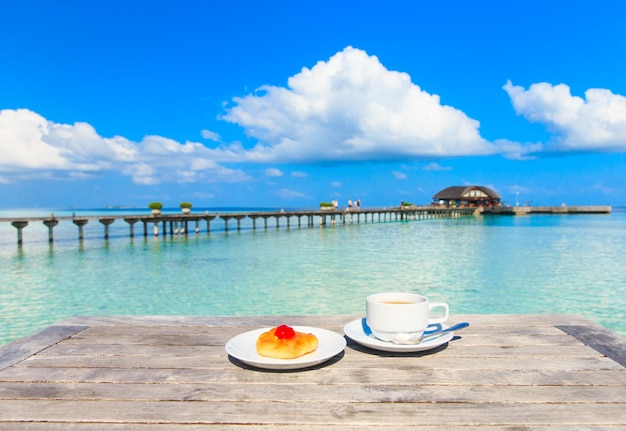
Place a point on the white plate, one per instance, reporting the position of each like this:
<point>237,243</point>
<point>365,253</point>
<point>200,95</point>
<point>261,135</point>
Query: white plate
<point>358,331</point>
<point>243,347</point>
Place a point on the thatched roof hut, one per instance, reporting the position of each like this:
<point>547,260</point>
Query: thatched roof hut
<point>467,196</point>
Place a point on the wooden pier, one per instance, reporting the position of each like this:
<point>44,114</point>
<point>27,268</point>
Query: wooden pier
<point>175,224</point>
<point>503,372</point>
<point>528,210</point>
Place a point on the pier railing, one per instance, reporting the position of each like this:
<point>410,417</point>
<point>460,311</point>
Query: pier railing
<point>179,224</point>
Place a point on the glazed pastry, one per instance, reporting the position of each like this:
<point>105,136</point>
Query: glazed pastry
<point>283,342</point>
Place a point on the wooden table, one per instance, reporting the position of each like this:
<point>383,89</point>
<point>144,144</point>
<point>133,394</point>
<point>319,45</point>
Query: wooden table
<point>530,372</point>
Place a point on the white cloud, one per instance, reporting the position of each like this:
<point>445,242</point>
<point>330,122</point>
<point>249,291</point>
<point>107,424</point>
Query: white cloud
<point>517,151</point>
<point>33,147</point>
<point>399,175</point>
<point>27,142</point>
<point>436,167</point>
<point>348,108</point>
<point>335,184</point>
<point>291,194</point>
<point>595,123</point>
<point>80,175</point>
<point>141,174</point>
<point>211,136</point>
<point>353,108</point>
<point>297,174</point>
<point>273,172</point>
<point>601,188</point>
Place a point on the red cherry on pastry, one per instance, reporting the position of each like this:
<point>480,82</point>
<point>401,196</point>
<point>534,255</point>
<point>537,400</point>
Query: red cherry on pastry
<point>284,332</point>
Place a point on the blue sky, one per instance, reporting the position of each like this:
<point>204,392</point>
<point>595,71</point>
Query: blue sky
<point>285,104</point>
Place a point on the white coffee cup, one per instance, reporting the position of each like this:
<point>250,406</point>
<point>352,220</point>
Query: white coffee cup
<point>397,316</point>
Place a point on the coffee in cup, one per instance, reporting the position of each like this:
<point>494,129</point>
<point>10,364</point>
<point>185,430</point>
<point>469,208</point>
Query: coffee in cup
<point>401,317</point>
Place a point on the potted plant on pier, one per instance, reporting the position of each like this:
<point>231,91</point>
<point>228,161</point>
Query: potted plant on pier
<point>155,207</point>
<point>326,206</point>
<point>186,207</point>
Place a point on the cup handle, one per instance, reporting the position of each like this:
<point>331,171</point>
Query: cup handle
<point>438,305</point>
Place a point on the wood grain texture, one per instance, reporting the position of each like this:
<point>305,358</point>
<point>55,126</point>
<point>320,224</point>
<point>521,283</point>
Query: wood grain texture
<point>28,346</point>
<point>605,342</point>
<point>530,372</point>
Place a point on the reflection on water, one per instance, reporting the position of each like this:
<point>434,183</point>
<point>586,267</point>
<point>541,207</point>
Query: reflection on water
<point>536,264</point>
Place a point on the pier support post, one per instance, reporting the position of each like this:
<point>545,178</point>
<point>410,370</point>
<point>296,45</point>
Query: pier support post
<point>131,222</point>
<point>253,222</point>
<point>239,218</point>
<point>19,225</point>
<point>265,221</point>
<point>80,223</point>
<point>208,219</point>
<point>51,224</point>
<point>106,222</point>
<point>225,218</point>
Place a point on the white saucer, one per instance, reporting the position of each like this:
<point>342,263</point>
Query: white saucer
<point>243,347</point>
<point>358,331</point>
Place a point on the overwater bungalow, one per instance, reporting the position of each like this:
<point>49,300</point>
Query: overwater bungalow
<point>467,196</point>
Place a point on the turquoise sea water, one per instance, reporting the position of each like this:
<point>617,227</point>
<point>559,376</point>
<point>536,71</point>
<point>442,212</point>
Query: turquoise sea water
<point>493,264</point>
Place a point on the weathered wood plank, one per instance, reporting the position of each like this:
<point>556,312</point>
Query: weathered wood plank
<point>317,375</point>
<point>314,413</point>
<point>503,372</point>
<point>517,320</point>
<point>601,340</point>
<point>367,392</point>
<point>30,345</point>
<point>462,350</point>
<point>64,426</point>
<point>473,330</point>
<point>217,338</point>
<point>432,362</point>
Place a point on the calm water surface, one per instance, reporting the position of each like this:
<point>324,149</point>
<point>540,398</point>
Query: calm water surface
<point>496,264</point>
